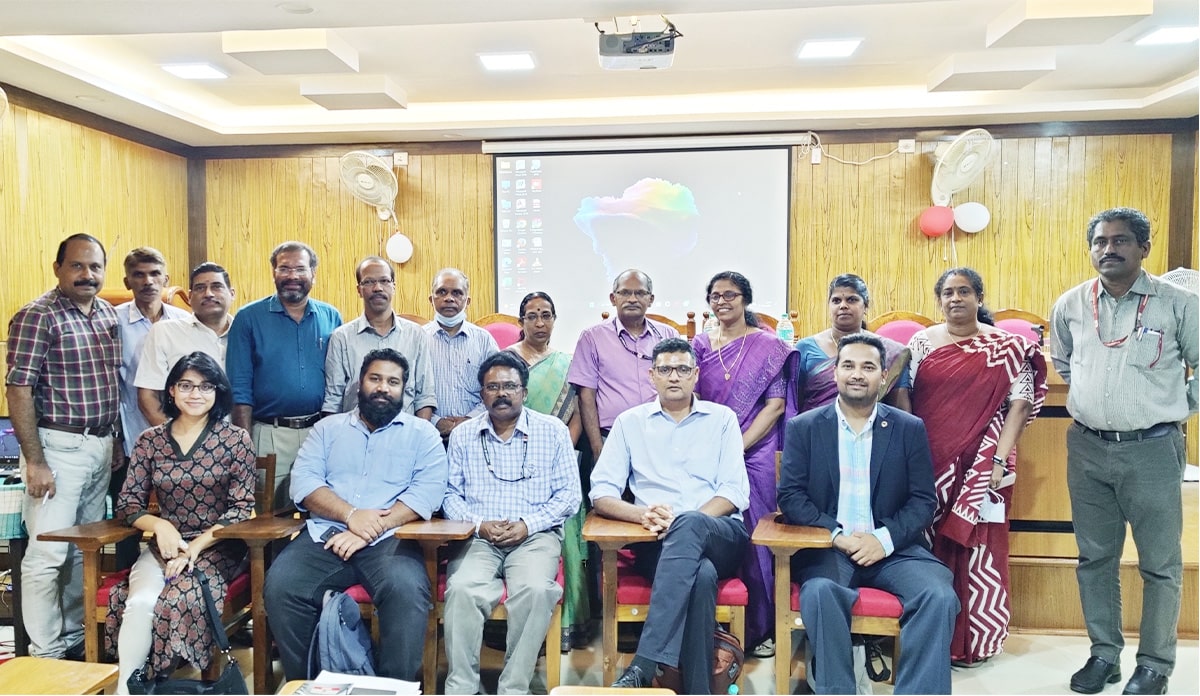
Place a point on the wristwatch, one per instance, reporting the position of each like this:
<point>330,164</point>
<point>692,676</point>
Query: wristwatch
<point>997,461</point>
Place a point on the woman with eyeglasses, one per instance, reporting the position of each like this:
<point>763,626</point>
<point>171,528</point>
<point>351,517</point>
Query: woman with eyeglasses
<point>201,470</point>
<point>848,302</point>
<point>549,392</point>
<point>749,369</point>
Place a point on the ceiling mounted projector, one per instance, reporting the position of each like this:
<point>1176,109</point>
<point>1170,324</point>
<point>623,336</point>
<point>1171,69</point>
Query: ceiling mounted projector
<point>649,50</point>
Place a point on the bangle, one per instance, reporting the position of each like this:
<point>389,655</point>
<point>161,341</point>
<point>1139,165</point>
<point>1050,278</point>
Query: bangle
<point>349,515</point>
<point>477,526</point>
<point>997,461</point>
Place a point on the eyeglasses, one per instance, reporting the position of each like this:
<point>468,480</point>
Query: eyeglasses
<point>291,270</point>
<point>728,296</point>
<point>487,458</point>
<point>544,316</point>
<point>373,283</point>
<point>185,387</point>
<point>502,387</point>
<point>640,294</point>
<point>684,371</point>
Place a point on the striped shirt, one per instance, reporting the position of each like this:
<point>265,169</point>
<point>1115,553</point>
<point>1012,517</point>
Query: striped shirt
<point>854,492</point>
<point>351,342</point>
<point>533,477</point>
<point>456,361</point>
<point>134,327</point>
<point>71,360</point>
<point>1141,382</point>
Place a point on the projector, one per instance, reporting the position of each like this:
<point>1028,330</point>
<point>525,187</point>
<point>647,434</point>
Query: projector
<point>637,51</point>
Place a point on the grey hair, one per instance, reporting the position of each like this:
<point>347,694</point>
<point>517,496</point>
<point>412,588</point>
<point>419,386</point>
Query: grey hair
<point>454,272</point>
<point>641,276</point>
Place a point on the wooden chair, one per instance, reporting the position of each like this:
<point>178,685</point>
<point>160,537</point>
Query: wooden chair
<point>498,318</point>
<point>43,675</point>
<point>613,535</point>
<point>874,323</point>
<point>505,328</point>
<point>768,321</point>
<point>173,295</point>
<point>688,328</point>
<point>875,613</point>
<point>418,320</point>
<point>1024,323</point>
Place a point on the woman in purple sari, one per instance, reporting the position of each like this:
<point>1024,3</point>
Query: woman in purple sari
<point>751,371</point>
<point>848,302</point>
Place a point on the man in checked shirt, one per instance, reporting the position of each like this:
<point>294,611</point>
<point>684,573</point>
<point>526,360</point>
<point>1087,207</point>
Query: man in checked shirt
<point>512,472</point>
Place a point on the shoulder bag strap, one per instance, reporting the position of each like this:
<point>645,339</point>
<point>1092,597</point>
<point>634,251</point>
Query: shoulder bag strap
<point>214,616</point>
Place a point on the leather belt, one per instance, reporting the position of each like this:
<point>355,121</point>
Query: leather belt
<point>93,430</point>
<point>1153,431</point>
<point>293,422</point>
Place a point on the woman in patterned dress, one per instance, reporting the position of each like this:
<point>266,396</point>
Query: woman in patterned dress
<point>201,470</point>
<point>976,387</point>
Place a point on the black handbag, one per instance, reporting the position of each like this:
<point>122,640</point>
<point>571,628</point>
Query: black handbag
<point>231,680</point>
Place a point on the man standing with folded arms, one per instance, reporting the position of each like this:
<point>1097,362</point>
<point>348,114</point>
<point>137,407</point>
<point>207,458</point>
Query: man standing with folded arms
<point>64,358</point>
<point>1123,342</point>
<point>276,361</point>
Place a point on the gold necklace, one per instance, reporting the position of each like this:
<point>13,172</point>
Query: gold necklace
<point>735,360</point>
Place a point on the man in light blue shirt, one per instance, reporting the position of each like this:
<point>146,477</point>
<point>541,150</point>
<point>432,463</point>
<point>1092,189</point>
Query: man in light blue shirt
<point>682,459</point>
<point>514,474</point>
<point>458,348</point>
<point>360,475</point>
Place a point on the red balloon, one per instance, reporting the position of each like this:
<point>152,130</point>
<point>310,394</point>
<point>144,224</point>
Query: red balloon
<point>936,220</point>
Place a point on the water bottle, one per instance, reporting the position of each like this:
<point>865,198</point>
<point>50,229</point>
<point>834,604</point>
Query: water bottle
<point>711,325</point>
<point>784,329</point>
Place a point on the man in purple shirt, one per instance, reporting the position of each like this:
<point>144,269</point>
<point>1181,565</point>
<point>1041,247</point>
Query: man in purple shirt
<point>612,357</point>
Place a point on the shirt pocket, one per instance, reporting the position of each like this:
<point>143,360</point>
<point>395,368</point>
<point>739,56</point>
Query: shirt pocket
<point>1145,348</point>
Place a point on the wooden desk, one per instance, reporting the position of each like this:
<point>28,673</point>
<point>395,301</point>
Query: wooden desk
<point>41,675</point>
<point>611,536</point>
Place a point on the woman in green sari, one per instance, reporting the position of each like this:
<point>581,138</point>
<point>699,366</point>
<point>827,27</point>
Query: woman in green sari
<point>549,392</point>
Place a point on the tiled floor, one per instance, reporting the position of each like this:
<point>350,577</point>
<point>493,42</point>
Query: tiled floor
<point>1031,664</point>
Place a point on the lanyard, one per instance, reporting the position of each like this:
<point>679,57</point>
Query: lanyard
<point>1137,320</point>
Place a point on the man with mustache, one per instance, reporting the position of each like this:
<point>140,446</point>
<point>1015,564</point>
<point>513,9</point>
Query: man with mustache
<point>378,327</point>
<point>276,361</point>
<point>611,357</point>
<point>863,471</point>
<point>682,460</point>
<point>206,329</point>
<point>1124,342</point>
<point>458,348</point>
<point>145,276</point>
<point>513,473</point>
<point>360,475</point>
<point>64,358</point>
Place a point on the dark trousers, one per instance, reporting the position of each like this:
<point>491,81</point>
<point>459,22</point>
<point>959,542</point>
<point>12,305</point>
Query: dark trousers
<point>923,584</point>
<point>128,549</point>
<point>394,574</point>
<point>684,568</point>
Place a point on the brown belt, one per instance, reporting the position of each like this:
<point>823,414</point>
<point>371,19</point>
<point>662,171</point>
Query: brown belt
<point>93,430</point>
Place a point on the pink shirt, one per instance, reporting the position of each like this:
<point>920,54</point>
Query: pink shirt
<point>615,363</point>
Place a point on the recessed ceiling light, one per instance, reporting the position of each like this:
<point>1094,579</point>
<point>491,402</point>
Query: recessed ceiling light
<point>507,61</point>
<point>829,49</point>
<point>194,71</point>
<point>1169,35</point>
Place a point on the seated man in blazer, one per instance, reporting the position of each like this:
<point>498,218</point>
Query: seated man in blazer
<point>862,470</point>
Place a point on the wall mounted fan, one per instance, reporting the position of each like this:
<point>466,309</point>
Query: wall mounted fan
<point>1186,278</point>
<point>961,163</point>
<point>370,180</point>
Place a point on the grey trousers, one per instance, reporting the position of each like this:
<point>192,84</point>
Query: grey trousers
<point>475,580</point>
<point>1112,483</point>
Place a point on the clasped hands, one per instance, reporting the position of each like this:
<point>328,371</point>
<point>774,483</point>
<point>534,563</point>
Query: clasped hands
<point>504,533</point>
<point>177,554</point>
<point>862,548</point>
<point>363,527</point>
<point>658,518</point>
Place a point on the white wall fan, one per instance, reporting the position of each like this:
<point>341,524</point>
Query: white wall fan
<point>370,179</point>
<point>960,163</point>
<point>1186,278</point>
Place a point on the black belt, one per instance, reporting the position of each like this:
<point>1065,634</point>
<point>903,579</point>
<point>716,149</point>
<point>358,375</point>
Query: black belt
<point>106,430</point>
<point>1153,431</point>
<point>293,422</point>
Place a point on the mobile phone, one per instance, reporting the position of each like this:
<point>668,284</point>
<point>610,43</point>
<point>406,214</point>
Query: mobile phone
<point>329,534</point>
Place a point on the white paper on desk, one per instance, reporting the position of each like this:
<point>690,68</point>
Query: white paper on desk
<point>992,508</point>
<point>369,685</point>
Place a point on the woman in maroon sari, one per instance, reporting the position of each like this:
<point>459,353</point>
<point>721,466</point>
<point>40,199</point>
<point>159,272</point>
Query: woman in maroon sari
<point>751,371</point>
<point>976,387</point>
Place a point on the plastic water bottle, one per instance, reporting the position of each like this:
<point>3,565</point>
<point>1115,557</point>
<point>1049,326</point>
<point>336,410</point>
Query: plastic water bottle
<point>711,325</point>
<point>784,329</point>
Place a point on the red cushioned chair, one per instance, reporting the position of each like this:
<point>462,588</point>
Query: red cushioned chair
<point>626,594</point>
<point>505,328</point>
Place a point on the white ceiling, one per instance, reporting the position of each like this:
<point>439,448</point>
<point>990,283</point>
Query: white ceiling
<point>735,68</point>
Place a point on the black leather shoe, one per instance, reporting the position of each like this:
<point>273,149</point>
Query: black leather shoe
<point>75,653</point>
<point>1095,674</point>
<point>1146,681</point>
<point>634,678</point>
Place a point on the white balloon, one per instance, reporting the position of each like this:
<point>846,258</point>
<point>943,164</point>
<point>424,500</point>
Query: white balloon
<point>399,248</point>
<point>971,217</point>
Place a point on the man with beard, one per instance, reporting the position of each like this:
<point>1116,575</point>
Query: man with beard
<point>360,475</point>
<point>145,276</point>
<point>276,361</point>
<point>205,330</point>
<point>64,353</point>
<point>378,327</point>
<point>1124,342</point>
<point>863,471</point>
<point>611,358</point>
<point>459,347</point>
<point>513,473</point>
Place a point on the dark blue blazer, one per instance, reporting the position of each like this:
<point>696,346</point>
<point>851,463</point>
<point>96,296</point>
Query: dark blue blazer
<point>902,496</point>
